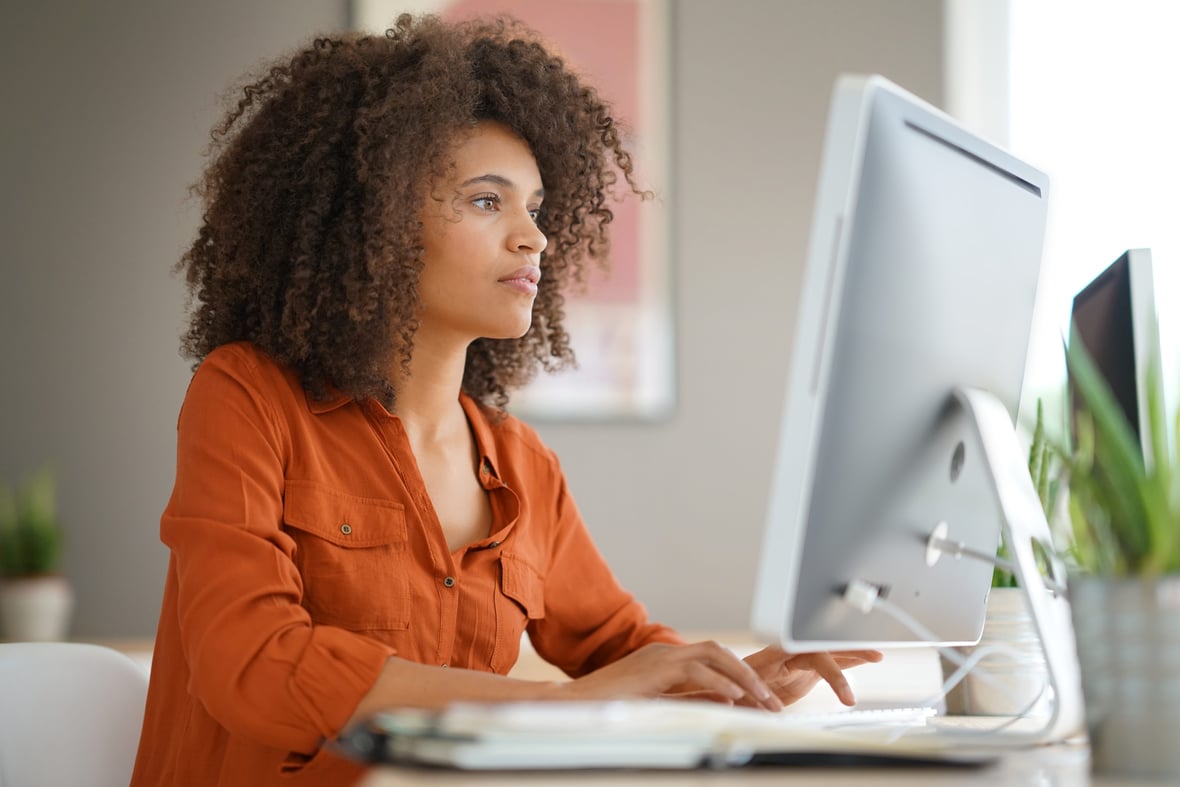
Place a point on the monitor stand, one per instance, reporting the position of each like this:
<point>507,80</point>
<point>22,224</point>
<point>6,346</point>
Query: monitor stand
<point>1023,521</point>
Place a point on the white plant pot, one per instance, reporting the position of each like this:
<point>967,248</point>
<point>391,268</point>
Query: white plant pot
<point>1128,637</point>
<point>35,609</point>
<point>1011,677</point>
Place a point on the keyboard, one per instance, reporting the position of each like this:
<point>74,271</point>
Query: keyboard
<point>852,717</point>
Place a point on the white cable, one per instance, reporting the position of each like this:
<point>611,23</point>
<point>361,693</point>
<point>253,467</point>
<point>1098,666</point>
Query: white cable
<point>865,597</point>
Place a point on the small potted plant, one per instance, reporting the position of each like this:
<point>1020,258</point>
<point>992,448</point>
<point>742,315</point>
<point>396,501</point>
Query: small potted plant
<point>1125,588</point>
<point>35,599</point>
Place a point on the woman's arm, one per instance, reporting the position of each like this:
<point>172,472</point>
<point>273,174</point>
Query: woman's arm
<point>243,644</point>
<point>651,671</point>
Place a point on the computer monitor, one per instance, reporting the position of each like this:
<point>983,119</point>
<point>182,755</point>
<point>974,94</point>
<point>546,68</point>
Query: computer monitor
<point>897,451</point>
<point>920,279</point>
<point>1114,318</point>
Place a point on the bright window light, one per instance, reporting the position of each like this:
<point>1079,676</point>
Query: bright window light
<point>1093,101</point>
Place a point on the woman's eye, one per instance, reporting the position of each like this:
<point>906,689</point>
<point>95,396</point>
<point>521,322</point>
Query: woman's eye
<point>535,214</point>
<point>486,202</point>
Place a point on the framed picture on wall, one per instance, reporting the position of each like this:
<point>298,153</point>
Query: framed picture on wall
<point>621,326</point>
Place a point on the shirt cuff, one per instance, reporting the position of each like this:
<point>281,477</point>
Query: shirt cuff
<point>337,670</point>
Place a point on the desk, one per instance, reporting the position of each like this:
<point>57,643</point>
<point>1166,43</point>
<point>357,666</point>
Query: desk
<point>904,677</point>
<point>1058,766</point>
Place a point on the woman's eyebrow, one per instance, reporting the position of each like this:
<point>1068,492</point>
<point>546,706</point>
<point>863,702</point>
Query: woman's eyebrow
<point>498,180</point>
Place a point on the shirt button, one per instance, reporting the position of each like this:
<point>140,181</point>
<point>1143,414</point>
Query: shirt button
<point>449,582</point>
<point>444,666</point>
<point>346,529</point>
<point>493,545</point>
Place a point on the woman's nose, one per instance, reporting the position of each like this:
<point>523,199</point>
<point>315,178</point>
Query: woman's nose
<point>528,237</point>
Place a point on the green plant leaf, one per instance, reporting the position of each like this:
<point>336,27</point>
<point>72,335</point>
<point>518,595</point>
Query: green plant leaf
<point>1174,497</point>
<point>1118,469</point>
<point>1157,481</point>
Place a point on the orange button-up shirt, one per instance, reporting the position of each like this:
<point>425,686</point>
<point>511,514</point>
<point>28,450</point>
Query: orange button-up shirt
<point>305,552</point>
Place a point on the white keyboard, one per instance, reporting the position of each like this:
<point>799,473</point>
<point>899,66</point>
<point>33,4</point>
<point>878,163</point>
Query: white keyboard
<point>646,716</point>
<point>727,718</point>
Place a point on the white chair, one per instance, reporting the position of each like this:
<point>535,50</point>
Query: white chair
<point>70,714</point>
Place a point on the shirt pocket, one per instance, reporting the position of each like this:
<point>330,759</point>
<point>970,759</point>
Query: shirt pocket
<point>521,599</point>
<point>522,583</point>
<point>351,554</point>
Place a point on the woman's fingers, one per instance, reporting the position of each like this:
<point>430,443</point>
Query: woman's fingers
<point>704,667</point>
<point>855,657</point>
<point>702,695</point>
<point>721,661</point>
<point>710,680</point>
<point>826,666</point>
<point>794,675</point>
<point>708,669</point>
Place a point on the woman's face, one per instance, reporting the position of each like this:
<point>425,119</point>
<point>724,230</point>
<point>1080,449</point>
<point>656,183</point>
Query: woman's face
<point>482,245</point>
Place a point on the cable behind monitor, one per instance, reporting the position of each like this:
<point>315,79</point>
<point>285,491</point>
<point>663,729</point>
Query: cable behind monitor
<point>1023,522</point>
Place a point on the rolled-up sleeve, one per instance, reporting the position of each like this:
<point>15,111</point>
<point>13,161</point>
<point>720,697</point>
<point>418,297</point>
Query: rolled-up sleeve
<point>256,661</point>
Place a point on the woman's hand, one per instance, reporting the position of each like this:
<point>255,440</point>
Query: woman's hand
<point>701,669</point>
<point>792,676</point>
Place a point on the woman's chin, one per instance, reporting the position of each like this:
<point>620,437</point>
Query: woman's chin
<point>515,331</point>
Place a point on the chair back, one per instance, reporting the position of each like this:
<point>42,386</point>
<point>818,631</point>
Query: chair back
<point>70,714</point>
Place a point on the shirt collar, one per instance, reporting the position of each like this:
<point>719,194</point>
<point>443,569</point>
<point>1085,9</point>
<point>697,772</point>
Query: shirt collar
<point>485,442</point>
<point>335,400</point>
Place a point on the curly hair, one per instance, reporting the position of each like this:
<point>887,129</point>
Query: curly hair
<point>310,243</point>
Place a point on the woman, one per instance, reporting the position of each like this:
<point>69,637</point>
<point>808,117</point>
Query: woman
<point>356,524</point>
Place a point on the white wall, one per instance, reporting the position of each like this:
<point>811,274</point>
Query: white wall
<point>104,111</point>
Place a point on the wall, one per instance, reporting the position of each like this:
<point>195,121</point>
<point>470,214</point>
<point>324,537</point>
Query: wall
<point>105,113</point>
<point>678,507</point>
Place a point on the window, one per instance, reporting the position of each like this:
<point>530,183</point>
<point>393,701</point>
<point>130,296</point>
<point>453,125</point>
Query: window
<point>1093,95</point>
<point>1087,91</point>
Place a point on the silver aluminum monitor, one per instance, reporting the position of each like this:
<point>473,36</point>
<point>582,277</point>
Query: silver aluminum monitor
<point>920,281</point>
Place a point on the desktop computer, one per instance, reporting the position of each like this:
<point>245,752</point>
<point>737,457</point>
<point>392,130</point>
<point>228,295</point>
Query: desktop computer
<point>898,461</point>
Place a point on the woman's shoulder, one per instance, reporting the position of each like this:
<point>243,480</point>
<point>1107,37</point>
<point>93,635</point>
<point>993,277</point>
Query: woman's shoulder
<point>242,356</point>
<point>245,365</point>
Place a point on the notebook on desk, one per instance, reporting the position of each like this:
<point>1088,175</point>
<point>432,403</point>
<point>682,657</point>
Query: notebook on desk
<point>659,734</point>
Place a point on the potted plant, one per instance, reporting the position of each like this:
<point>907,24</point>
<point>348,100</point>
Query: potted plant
<point>1125,590</point>
<point>35,599</point>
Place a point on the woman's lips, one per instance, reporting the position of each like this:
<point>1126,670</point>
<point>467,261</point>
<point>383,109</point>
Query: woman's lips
<point>523,279</point>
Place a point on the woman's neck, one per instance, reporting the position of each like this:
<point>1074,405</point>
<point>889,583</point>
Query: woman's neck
<point>427,400</point>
